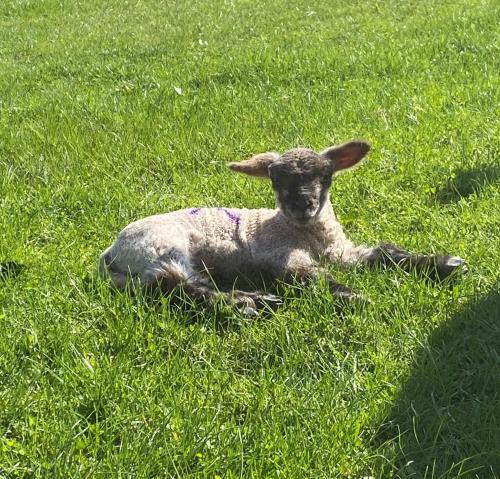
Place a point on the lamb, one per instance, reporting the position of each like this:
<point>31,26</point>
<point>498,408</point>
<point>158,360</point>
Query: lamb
<point>197,248</point>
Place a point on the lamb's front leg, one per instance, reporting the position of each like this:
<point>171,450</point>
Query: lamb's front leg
<point>438,266</point>
<point>299,266</point>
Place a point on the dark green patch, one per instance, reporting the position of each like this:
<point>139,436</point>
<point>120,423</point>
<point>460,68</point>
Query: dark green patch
<point>465,182</point>
<point>10,270</point>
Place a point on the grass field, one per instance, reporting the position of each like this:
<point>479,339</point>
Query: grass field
<point>111,110</point>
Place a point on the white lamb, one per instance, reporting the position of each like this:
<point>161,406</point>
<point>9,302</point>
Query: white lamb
<point>194,247</point>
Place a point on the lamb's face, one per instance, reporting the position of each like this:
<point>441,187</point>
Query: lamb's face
<point>301,178</point>
<point>301,181</point>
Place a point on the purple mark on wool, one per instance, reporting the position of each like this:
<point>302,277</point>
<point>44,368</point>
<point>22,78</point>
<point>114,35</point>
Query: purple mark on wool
<point>194,211</point>
<point>231,215</point>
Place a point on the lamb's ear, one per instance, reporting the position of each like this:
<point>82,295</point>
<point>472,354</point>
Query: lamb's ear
<point>255,166</point>
<point>348,154</point>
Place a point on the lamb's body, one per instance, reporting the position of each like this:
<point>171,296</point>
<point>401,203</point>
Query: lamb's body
<point>226,243</point>
<point>194,247</point>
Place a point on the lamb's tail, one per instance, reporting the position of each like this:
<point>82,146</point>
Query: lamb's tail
<point>108,269</point>
<point>105,264</point>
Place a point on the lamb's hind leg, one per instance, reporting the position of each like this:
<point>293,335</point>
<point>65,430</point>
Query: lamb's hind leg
<point>438,266</point>
<point>248,302</point>
<point>202,289</point>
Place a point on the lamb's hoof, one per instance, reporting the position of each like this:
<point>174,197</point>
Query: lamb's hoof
<point>268,301</point>
<point>354,299</point>
<point>250,304</point>
<point>248,312</point>
<point>362,299</point>
<point>347,295</point>
<point>450,265</point>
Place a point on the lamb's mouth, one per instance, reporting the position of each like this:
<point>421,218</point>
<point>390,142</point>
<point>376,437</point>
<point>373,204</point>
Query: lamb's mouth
<point>300,218</point>
<point>304,219</point>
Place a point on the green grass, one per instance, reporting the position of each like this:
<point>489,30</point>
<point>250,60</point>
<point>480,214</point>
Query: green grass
<point>94,134</point>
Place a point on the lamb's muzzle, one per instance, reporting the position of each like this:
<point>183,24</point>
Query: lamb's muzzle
<point>193,247</point>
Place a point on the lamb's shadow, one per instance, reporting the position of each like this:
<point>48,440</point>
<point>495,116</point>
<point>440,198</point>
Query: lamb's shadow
<point>466,182</point>
<point>447,417</point>
<point>10,270</point>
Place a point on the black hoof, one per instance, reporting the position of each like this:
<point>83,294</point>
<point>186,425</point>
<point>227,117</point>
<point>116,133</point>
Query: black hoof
<point>270,301</point>
<point>450,265</point>
<point>346,294</point>
<point>248,311</point>
<point>250,304</point>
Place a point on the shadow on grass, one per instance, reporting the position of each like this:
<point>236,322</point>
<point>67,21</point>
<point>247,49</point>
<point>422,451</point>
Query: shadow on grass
<point>10,270</point>
<point>446,421</point>
<point>468,181</point>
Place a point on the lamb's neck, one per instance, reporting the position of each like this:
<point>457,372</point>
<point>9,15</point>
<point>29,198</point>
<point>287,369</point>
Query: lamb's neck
<point>330,230</point>
<point>324,237</point>
<point>327,216</point>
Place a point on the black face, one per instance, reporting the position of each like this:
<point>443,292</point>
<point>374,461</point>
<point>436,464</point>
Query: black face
<point>301,192</point>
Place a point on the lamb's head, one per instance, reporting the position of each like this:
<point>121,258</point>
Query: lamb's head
<point>301,177</point>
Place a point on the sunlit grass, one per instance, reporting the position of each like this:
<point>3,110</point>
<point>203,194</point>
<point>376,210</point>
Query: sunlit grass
<point>113,110</point>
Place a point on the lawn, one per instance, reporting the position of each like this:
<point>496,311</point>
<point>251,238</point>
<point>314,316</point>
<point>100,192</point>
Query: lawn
<point>111,110</point>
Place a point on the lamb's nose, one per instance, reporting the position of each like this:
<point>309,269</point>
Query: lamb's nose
<point>303,203</point>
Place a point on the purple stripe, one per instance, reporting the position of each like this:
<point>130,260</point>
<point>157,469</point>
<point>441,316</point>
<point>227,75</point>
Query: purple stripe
<point>231,215</point>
